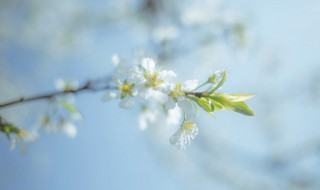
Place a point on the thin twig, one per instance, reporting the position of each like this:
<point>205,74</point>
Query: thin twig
<point>87,86</point>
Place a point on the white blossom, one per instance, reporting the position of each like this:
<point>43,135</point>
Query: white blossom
<point>149,78</point>
<point>125,91</point>
<point>214,79</point>
<point>185,134</point>
<point>23,136</point>
<point>13,142</point>
<point>163,34</point>
<point>177,96</point>
<point>31,136</point>
<point>66,85</point>
<point>68,128</point>
<point>155,114</point>
<point>115,60</point>
<point>173,116</point>
<point>122,69</point>
<point>146,118</point>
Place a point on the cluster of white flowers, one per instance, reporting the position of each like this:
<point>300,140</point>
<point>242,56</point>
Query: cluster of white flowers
<point>59,118</point>
<point>147,81</point>
<point>62,114</point>
<point>163,101</point>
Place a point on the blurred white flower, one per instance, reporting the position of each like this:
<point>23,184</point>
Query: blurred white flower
<point>154,113</point>
<point>200,13</point>
<point>115,60</point>
<point>76,116</point>
<point>23,136</point>
<point>122,69</point>
<point>147,117</point>
<point>13,142</point>
<point>68,105</point>
<point>31,136</point>
<point>68,128</point>
<point>125,91</point>
<point>164,34</point>
<point>173,116</point>
<point>176,97</point>
<point>187,132</point>
<point>66,85</point>
<point>194,16</point>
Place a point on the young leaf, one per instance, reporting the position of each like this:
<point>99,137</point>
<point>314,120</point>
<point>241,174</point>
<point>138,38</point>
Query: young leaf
<point>238,97</point>
<point>228,104</point>
<point>242,108</point>
<point>204,103</point>
<point>216,106</point>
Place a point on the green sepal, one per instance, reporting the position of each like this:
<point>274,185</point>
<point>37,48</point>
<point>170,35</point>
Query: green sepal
<point>123,95</point>
<point>178,87</point>
<point>223,79</point>
<point>69,107</point>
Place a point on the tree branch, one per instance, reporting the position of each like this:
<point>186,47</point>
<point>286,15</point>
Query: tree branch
<point>87,86</point>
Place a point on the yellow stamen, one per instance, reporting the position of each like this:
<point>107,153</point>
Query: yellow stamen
<point>126,89</point>
<point>188,126</point>
<point>176,92</point>
<point>153,80</point>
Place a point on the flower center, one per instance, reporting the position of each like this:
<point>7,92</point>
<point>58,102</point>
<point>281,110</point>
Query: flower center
<point>153,81</point>
<point>188,126</point>
<point>176,92</point>
<point>126,89</point>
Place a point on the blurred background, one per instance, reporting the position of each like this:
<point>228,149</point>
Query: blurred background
<point>270,48</point>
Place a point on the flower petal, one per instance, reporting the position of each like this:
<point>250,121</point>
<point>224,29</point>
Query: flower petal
<point>186,106</point>
<point>167,74</point>
<point>126,103</point>
<point>170,104</point>
<point>145,118</point>
<point>60,84</point>
<point>189,85</point>
<point>69,129</point>
<point>148,65</point>
<point>109,96</point>
<point>115,60</point>
<point>187,132</point>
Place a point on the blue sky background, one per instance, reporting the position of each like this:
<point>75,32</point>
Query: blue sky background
<point>110,152</point>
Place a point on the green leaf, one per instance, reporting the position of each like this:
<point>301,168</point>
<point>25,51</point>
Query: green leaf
<point>222,102</point>
<point>242,107</point>
<point>204,103</point>
<point>238,97</point>
<point>211,114</point>
<point>224,77</point>
<point>217,106</point>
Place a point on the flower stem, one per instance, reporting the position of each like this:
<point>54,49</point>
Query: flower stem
<point>87,86</point>
<point>200,86</point>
